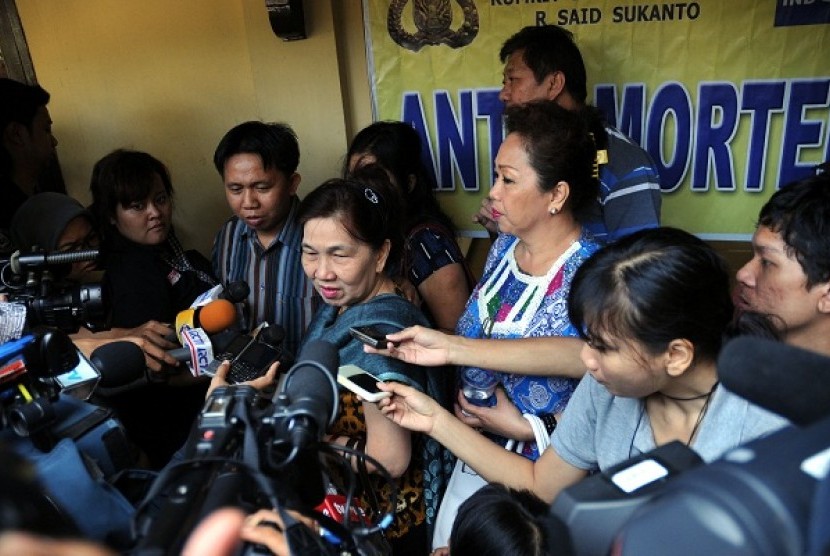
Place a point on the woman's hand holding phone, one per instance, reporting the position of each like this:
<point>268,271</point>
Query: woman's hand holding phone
<point>361,382</point>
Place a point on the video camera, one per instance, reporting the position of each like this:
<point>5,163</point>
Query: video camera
<point>34,370</point>
<point>71,445</point>
<point>251,452</point>
<point>33,279</point>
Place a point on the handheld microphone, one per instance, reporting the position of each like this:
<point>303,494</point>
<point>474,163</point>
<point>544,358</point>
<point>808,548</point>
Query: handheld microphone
<point>272,336</point>
<point>198,343</point>
<point>791,382</point>
<point>235,292</point>
<point>311,388</point>
<point>122,368</point>
<point>212,317</point>
<point>219,342</point>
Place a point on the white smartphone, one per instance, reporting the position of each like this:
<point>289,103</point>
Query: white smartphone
<point>361,382</point>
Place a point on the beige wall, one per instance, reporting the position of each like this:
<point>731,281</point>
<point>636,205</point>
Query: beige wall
<point>171,76</point>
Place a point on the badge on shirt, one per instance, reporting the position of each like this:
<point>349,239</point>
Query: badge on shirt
<point>173,276</point>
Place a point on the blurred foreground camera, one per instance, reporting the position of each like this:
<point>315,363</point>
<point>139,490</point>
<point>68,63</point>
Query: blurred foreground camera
<point>767,497</point>
<point>34,371</point>
<point>251,452</point>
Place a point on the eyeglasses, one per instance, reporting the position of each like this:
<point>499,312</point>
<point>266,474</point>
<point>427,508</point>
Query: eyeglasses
<point>90,241</point>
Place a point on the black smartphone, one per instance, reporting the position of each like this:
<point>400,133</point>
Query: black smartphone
<point>250,359</point>
<point>234,348</point>
<point>371,336</point>
<point>253,362</point>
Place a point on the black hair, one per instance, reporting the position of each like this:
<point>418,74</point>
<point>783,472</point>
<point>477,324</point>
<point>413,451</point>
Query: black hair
<point>19,103</point>
<point>497,520</point>
<point>800,212</point>
<point>366,204</point>
<point>561,146</point>
<point>652,287</point>
<point>123,177</point>
<point>397,148</point>
<point>275,143</point>
<point>548,49</point>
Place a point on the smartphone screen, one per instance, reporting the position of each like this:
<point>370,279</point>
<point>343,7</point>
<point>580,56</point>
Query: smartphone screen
<point>360,382</point>
<point>260,355</point>
<point>234,348</point>
<point>366,381</point>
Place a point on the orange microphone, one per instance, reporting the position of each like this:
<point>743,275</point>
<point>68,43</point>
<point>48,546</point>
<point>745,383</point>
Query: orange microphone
<point>212,317</point>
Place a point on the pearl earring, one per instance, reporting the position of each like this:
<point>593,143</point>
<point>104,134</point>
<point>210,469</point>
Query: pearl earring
<point>553,211</point>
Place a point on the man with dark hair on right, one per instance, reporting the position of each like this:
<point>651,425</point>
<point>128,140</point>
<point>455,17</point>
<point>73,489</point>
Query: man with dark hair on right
<point>788,276</point>
<point>260,244</point>
<point>27,147</point>
<point>544,63</point>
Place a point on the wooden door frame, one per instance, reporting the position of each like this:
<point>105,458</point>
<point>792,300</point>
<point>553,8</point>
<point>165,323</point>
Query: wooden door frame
<point>13,45</point>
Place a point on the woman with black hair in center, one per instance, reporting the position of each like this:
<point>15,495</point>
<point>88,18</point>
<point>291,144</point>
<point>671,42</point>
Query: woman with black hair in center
<point>149,277</point>
<point>351,246</point>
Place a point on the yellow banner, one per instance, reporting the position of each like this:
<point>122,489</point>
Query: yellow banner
<point>730,98</point>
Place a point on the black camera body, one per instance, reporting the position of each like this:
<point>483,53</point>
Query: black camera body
<point>34,280</point>
<point>767,497</point>
<point>237,455</point>
<point>34,370</point>
<point>65,306</point>
<point>253,451</point>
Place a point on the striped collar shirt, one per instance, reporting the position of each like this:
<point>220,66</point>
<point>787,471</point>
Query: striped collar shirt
<point>280,292</point>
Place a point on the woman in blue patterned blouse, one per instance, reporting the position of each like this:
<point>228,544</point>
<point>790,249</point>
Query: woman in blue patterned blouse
<point>545,175</point>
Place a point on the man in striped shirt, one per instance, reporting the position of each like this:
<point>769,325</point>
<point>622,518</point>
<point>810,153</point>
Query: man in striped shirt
<point>544,63</point>
<point>260,244</point>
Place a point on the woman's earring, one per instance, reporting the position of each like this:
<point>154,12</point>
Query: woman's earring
<point>553,211</point>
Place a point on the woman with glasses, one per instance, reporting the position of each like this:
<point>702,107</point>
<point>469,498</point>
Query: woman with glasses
<point>55,222</point>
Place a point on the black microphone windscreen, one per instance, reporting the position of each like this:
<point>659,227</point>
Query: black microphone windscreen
<point>272,335</point>
<point>789,381</point>
<point>236,292</point>
<point>313,378</point>
<point>119,363</point>
<point>51,354</point>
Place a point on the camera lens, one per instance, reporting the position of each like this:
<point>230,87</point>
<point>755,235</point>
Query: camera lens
<point>29,418</point>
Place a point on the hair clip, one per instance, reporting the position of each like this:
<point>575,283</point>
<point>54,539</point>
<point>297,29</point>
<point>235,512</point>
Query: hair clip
<point>600,158</point>
<point>371,195</point>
